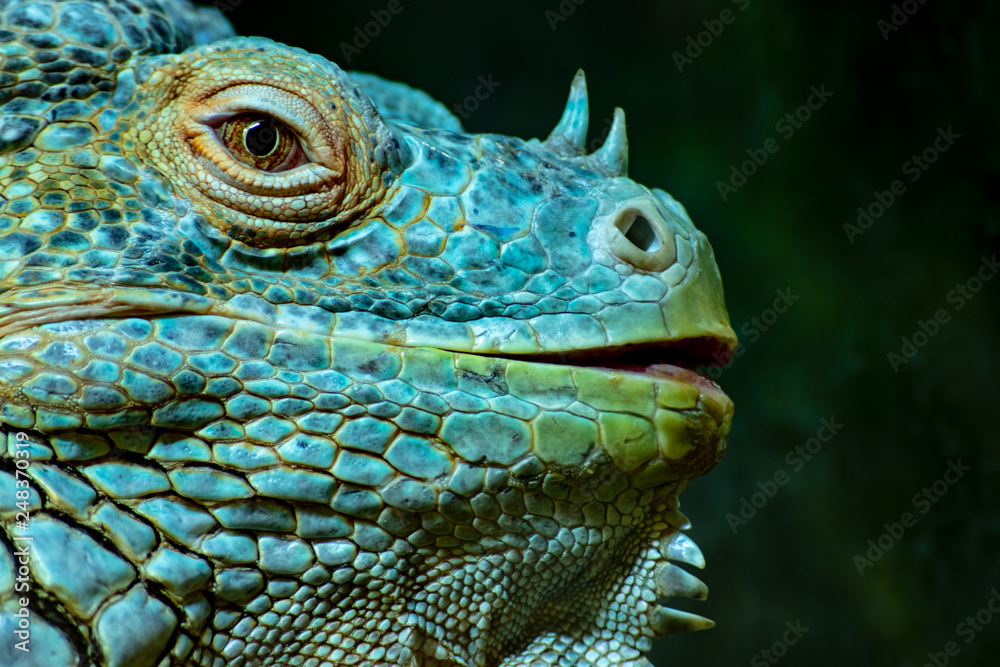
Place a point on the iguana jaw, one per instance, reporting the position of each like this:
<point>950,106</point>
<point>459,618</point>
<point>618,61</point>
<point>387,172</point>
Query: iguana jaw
<point>656,431</point>
<point>690,417</point>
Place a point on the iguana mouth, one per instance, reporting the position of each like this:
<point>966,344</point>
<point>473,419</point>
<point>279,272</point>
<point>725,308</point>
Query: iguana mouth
<point>682,360</point>
<point>30,308</point>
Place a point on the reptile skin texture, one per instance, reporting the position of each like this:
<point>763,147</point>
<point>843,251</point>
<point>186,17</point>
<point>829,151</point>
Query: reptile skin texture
<point>295,371</point>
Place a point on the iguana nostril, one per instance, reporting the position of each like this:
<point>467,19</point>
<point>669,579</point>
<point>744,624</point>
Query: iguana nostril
<point>641,234</point>
<point>638,234</point>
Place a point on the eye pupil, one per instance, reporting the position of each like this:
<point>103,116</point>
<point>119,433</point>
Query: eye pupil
<point>261,142</point>
<point>261,138</point>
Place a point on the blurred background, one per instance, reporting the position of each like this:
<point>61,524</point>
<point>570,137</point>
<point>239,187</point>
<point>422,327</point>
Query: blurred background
<point>842,99</point>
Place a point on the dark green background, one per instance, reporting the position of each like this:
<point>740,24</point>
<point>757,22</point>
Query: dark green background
<point>825,357</point>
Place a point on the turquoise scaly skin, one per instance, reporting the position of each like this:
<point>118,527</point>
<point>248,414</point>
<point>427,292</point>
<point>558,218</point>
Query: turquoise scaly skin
<point>295,371</point>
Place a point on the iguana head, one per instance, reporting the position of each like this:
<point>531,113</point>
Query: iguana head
<point>315,355</point>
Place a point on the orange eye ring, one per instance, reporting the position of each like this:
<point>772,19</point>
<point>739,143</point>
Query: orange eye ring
<point>273,149</point>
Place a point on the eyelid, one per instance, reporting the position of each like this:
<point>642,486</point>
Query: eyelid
<point>298,115</point>
<point>257,98</point>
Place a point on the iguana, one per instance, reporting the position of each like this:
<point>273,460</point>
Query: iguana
<point>296,371</point>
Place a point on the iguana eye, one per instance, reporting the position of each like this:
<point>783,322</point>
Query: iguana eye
<point>262,142</point>
<point>271,150</point>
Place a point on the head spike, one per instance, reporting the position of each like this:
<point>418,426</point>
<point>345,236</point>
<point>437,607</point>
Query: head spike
<point>665,621</point>
<point>611,159</point>
<point>570,135</point>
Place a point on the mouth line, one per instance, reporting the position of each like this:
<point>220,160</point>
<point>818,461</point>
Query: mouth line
<point>688,353</point>
<point>676,359</point>
<point>683,360</point>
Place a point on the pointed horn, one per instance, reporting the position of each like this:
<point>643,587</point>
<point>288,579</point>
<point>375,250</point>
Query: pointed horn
<point>611,159</point>
<point>570,135</point>
<point>677,519</point>
<point>672,581</point>
<point>666,621</point>
<point>682,549</point>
